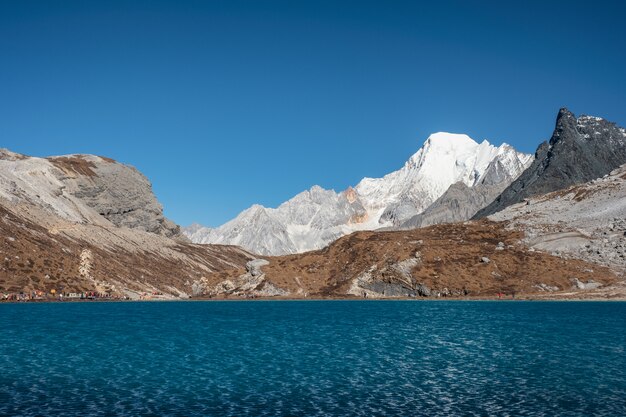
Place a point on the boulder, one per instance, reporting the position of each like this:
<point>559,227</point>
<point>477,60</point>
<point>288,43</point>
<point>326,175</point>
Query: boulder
<point>253,267</point>
<point>423,290</point>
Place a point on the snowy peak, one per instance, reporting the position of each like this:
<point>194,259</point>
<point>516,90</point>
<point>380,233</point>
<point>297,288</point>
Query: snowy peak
<point>443,160</point>
<point>441,147</point>
<point>448,158</point>
<point>315,217</point>
<point>449,141</point>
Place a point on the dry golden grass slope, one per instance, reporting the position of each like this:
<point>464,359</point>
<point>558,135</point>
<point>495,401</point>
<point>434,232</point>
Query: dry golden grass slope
<point>476,259</point>
<point>70,257</point>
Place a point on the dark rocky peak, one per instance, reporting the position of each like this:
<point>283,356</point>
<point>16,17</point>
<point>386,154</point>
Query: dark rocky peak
<point>580,150</point>
<point>585,128</point>
<point>565,126</point>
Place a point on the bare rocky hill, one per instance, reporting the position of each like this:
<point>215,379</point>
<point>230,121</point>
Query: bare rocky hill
<point>86,223</point>
<point>40,252</point>
<point>476,259</point>
<point>586,221</point>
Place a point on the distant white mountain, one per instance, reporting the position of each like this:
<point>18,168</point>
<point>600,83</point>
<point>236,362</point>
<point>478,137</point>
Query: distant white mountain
<point>316,217</point>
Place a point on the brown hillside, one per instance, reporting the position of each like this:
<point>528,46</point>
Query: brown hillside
<point>38,259</point>
<point>449,260</point>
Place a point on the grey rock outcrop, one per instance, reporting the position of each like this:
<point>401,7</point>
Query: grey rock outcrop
<point>253,283</point>
<point>389,289</point>
<point>580,150</point>
<point>118,192</point>
<point>84,189</point>
<point>589,285</point>
<point>253,267</point>
<point>423,290</point>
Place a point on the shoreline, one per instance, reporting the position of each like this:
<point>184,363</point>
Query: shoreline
<point>314,299</point>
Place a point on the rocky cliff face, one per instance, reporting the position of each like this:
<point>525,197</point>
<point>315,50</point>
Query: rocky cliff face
<point>316,217</point>
<point>118,192</point>
<point>84,188</point>
<point>580,150</point>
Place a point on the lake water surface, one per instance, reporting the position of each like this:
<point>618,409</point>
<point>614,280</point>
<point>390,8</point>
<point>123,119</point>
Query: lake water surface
<point>284,358</point>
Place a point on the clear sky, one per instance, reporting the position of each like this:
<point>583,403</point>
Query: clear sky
<point>223,104</point>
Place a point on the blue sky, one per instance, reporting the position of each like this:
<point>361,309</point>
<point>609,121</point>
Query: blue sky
<point>223,104</point>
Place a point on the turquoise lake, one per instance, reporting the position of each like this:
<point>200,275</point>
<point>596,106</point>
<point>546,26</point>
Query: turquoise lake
<point>313,358</point>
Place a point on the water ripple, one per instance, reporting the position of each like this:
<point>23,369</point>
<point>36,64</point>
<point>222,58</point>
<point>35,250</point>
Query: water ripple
<point>352,358</point>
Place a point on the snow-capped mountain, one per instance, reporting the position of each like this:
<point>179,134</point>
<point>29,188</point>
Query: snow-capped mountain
<point>461,202</point>
<point>307,221</point>
<point>316,217</point>
<point>445,159</point>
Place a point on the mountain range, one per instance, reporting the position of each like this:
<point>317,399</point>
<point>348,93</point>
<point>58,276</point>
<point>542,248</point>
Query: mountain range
<point>552,225</point>
<point>570,243</point>
<point>316,217</point>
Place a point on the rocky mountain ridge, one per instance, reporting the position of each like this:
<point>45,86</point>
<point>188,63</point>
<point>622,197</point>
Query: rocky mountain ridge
<point>73,223</point>
<point>316,217</point>
<point>580,150</point>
